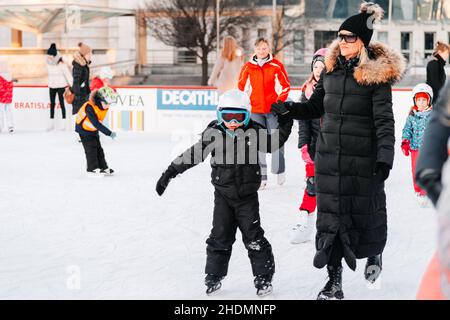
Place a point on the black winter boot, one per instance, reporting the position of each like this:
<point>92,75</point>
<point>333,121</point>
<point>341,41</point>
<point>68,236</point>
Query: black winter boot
<point>333,288</point>
<point>373,268</point>
<point>213,283</point>
<point>263,284</point>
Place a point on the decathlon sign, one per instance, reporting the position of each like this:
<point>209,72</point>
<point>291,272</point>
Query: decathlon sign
<point>170,99</point>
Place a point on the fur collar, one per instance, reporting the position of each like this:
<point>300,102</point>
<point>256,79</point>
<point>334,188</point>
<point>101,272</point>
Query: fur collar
<point>78,58</point>
<point>386,66</point>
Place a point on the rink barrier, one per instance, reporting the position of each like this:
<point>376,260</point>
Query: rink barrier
<point>144,108</point>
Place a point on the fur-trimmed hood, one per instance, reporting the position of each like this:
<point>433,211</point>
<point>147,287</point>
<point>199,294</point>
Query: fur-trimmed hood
<point>78,58</point>
<point>385,66</point>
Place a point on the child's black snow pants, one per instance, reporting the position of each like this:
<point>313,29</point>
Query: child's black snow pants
<point>229,214</point>
<point>94,152</point>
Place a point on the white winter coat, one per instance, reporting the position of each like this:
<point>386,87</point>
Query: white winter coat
<point>59,75</point>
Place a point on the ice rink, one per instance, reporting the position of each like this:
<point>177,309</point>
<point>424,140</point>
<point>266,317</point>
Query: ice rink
<point>66,236</point>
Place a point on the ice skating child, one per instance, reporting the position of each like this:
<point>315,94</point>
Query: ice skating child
<point>6,96</point>
<point>308,131</point>
<point>414,130</point>
<point>89,122</point>
<point>233,141</point>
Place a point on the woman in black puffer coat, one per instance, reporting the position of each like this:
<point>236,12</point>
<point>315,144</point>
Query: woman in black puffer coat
<point>81,74</point>
<point>355,149</point>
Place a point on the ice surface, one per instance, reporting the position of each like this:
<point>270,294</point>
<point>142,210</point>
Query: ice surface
<point>66,236</point>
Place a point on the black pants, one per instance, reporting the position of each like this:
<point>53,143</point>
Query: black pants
<point>337,253</point>
<point>60,92</point>
<point>229,214</point>
<point>94,152</point>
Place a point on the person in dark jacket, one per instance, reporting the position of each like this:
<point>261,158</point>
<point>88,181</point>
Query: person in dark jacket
<point>89,122</point>
<point>355,149</point>
<point>233,141</point>
<point>308,131</point>
<point>81,72</point>
<point>435,68</point>
<point>433,153</point>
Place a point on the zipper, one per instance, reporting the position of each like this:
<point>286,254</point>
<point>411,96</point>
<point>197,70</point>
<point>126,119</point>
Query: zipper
<point>339,137</point>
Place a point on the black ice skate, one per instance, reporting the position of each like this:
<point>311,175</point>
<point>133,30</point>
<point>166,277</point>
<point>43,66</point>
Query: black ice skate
<point>107,172</point>
<point>373,268</point>
<point>212,283</point>
<point>263,284</point>
<point>333,288</point>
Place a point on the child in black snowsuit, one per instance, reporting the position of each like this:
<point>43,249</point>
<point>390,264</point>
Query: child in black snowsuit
<point>233,141</point>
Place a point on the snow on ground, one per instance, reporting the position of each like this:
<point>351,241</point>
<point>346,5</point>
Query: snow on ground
<point>66,236</point>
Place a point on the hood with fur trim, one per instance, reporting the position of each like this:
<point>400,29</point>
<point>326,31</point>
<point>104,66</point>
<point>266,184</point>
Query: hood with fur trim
<point>385,66</point>
<point>78,58</point>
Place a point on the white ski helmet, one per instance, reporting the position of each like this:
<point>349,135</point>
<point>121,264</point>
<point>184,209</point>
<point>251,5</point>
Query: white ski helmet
<point>234,99</point>
<point>423,88</point>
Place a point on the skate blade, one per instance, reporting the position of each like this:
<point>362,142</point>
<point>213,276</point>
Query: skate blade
<point>211,291</point>
<point>264,292</point>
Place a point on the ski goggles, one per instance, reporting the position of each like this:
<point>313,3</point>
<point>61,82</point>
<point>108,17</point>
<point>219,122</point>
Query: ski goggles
<point>233,115</point>
<point>348,38</point>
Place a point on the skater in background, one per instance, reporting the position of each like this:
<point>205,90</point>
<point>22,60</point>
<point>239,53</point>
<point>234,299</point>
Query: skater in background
<point>88,124</point>
<point>435,283</point>
<point>233,141</point>
<point>226,71</point>
<point>355,148</point>
<point>81,73</point>
<point>266,80</point>
<point>308,131</point>
<point>6,97</point>
<point>102,79</point>
<point>59,77</point>
<point>435,68</point>
<point>414,130</point>
<point>434,153</point>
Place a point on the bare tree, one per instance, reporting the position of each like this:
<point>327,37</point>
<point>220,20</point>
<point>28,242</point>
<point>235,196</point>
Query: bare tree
<point>192,24</point>
<point>285,24</point>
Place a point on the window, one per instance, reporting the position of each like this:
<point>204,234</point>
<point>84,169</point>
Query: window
<point>383,36</point>
<point>429,43</point>
<point>186,57</point>
<point>262,33</point>
<point>405,45</point>
<point>299,47</point>
<point>323,39</point>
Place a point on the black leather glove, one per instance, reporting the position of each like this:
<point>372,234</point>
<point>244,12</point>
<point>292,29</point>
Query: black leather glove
<point>382,171</point>
<point>430,180</point>
<point>163,182</point>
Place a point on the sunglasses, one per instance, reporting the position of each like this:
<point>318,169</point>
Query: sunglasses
<point>237,116</point>
<point>348,38</point>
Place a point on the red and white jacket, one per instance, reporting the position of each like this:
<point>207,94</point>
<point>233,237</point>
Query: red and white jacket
<point>6,90</point>
<point>265,85</point>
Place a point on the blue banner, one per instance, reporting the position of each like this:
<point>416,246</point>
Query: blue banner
<point>173,99</point>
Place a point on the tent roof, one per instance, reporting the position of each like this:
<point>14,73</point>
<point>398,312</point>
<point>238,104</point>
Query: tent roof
<point>43,18</point>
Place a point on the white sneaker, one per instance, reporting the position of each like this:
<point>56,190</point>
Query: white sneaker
<point>304,228</point>
<point>96,173</point>
<point>263,185</point>
<point>51,125</point>
<point>11,130</point>
<point>281,178</point>
<point>422,200</point>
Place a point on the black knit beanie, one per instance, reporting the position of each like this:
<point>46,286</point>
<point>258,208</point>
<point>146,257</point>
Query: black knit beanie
<point>52,50</point>
<point>361,24</point>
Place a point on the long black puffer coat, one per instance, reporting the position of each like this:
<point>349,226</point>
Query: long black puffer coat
<point>356,135</point>
<point>236,172</point>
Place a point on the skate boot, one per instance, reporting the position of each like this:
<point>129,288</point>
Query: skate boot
<point>11,129</point>
<point>281,178</point>
<point>263,284</point>
<point>373,268</point>
<point>303,229</point>
<point>96,173</point>
<point>107,172</point>
<point>333,288</point>
<point>213,283</point>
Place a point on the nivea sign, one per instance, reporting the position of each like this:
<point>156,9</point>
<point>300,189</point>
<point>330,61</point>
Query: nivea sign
<point>170,99</point>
